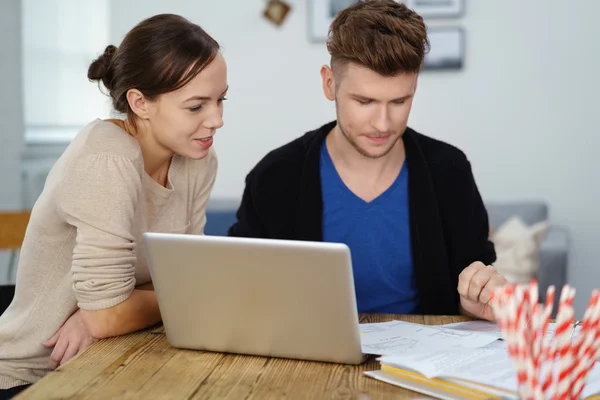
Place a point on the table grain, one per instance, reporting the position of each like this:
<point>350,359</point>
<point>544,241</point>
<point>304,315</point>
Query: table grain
<point>143,365</point>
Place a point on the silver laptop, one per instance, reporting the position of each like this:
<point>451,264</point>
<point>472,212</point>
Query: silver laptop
<point>278,298</point>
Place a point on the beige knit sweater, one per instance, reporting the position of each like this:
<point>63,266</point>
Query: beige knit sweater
<point>83,244</point>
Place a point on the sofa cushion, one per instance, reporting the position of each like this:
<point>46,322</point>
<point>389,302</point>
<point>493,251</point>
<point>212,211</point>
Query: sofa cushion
<point>219,222</point>
<point>518,249</point>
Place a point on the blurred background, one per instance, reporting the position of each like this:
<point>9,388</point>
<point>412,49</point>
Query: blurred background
<point>518,100</point>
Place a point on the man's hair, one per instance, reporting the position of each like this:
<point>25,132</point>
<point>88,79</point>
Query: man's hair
<point>382,35</point>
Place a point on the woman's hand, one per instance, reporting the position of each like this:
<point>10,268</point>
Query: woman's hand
<point>71,339</point>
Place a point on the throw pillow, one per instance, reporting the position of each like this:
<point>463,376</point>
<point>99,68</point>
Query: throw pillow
<point>518,248</point>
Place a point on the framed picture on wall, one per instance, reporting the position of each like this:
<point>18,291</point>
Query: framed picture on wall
<point>447,49</point>
<point>320,15</point>
<point>437,8</point>
<point>322,12</point>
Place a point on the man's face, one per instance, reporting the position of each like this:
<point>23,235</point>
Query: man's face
<point>372,110</point>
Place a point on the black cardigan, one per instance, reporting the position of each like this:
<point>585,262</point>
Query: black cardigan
<point>448,220</point>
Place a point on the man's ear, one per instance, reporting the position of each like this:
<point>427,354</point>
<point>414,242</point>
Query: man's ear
<point>328,79</point>
<point>138,103</point>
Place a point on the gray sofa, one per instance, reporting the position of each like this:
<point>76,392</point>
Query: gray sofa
<point>554,249</point>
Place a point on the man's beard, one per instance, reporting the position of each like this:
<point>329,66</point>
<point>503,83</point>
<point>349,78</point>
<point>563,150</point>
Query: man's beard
<point>360,150</point>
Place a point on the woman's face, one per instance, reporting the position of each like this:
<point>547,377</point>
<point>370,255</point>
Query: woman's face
<point>185,121</point>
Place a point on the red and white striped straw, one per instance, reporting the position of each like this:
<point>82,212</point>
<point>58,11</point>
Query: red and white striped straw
<point>584,349</point>
<point>523,339</point>
<point>550,293</point>
<point>546,341</point>
<point>547,367</point>
<point>535,340</point>
<point>507,314</point>
<point>563,343</point>
<point>562,326</point>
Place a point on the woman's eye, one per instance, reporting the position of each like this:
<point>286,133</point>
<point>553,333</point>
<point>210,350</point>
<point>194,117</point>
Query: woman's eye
<point>194,109</point>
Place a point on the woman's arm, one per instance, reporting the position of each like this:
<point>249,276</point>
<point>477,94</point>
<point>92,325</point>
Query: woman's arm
<point>139,311</point>
<point>100,198</point>
<point>75,335</point>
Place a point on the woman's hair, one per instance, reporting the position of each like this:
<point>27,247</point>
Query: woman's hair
<point>159,55</point>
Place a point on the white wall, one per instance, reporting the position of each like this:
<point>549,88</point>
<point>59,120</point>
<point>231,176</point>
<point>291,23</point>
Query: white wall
<point>11,116</point>
<point>11,103</point>
<point>524,108</point>
<point>60,39</point>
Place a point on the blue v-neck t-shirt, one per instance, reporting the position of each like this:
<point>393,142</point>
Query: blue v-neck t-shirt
<point>378,235</point>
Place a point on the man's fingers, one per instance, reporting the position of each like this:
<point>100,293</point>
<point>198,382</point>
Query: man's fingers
<point>483,278</point>
<point>465,277</point>
<point>479,281</point>
<point>495,282</point>
<point>71,352</point>
<point>58,352</point>
<point>486,294</point>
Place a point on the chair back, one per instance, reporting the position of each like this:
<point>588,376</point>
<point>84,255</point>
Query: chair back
<point>12,229</point>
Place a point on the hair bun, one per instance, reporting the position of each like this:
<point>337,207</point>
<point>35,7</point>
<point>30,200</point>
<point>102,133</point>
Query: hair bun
<point>100,69</point>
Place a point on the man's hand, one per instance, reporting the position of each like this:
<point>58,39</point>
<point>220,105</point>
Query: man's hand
<point>71,339</point>
<point>476,285</point>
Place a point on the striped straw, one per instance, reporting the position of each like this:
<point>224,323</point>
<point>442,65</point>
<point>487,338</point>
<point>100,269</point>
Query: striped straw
<point>505,309</point>
<point>545,339</point>
<point>562,326</point>
<point>563,363</point>
<point>535,340</point>
<point>591,360</point>
<point>563,342</point>
<point>550,293</point>
<point>523,339</point>
<point>586,345</point>
<point>583,342</point>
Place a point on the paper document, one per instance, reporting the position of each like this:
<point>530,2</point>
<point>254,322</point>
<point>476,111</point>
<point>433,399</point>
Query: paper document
<point>491,327</point>
<point>489,365</point>
<point>397,337</point>
<point>377,326</point>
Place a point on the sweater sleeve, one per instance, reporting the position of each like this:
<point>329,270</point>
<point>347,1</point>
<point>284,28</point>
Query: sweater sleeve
<point>202,190</point>
<point>98,198</point>
<point>482,249</point>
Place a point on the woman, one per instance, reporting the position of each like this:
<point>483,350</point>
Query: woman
<point>82,275</point>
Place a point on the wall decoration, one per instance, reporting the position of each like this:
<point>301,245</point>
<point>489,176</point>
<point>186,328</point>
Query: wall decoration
<point>437,8</point>
<point>320,15</point>
<point>276,11</point>
<point>322,12</point>
<point>447,48</point>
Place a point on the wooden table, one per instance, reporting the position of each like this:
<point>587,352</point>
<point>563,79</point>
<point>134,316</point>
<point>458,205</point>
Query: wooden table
<point>143,366</point>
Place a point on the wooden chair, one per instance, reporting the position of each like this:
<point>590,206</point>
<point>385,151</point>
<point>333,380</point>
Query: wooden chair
<point>12,232</point>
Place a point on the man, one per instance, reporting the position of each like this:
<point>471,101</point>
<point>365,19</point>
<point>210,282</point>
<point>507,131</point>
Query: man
<point>406,205</point>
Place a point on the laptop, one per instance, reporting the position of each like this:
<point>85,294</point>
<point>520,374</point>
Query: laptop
<point>264,297</point>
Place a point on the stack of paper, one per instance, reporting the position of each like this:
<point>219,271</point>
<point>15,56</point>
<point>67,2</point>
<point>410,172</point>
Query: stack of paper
<point>457,361</point>
<point>492,328</point>
<point>397,337</point>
